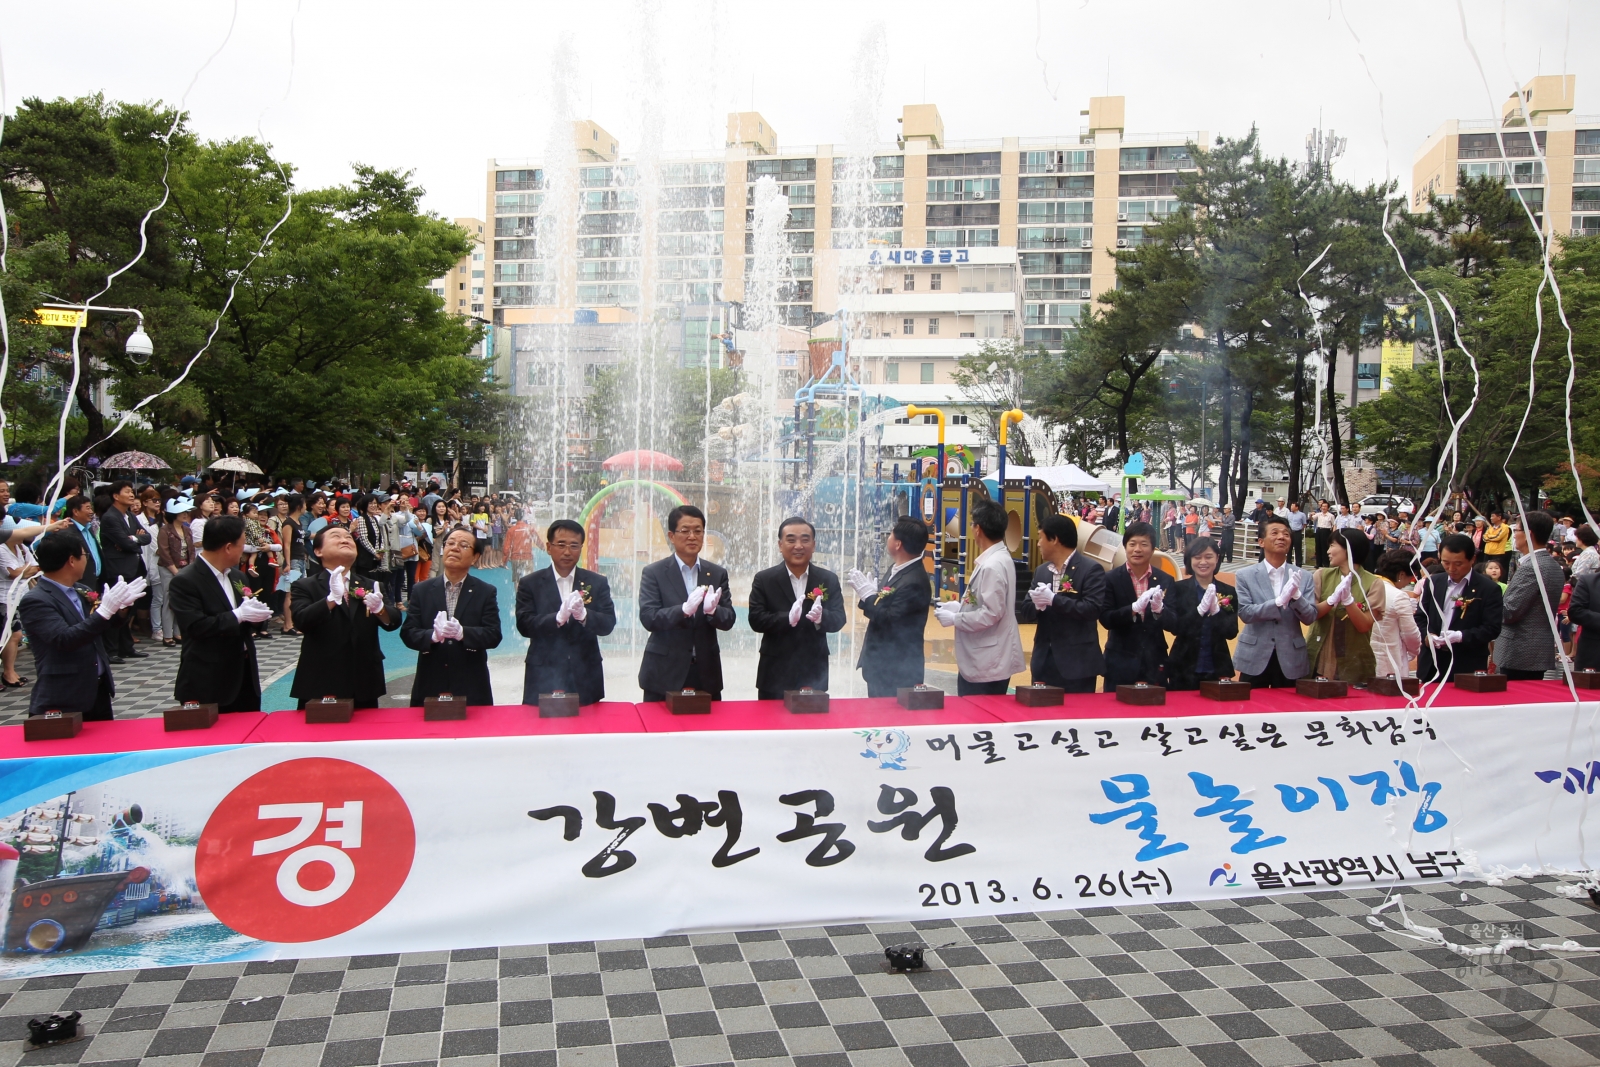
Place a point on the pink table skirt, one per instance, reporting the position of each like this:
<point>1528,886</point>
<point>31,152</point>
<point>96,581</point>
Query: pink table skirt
<point>518,720</point>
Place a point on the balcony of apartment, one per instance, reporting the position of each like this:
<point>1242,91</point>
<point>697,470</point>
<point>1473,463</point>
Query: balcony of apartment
<point>1060,161</point>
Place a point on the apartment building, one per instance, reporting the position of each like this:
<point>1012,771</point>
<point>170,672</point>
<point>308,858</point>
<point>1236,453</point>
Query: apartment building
<point>462,290</point>
<point>644,240</point>
<point>1547,154</point>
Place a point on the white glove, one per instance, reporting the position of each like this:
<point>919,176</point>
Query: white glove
<point>1041,596</point>
<point>794,612</point>
<point>1291,589</point>
<point>815,614</point>
<point>1449,637</point>
<point>1208,603</point>
<point>338,586</point>
<point>440,622</point>
<point>115,598</point>
<point>1341,592</point>
<point>564,612</point>
<point>252,611</point>
<point>1143,601</point>
<point>696,598</point>
<point>579,610</point>
<point>453,630</point>
<point>713,598</point>
<point>860,583</point>
<point>1158,600</point>
<point>946,612</point>
<point>374,602</point>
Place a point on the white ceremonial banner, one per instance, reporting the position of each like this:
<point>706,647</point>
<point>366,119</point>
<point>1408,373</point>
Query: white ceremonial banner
<point>277,850</point>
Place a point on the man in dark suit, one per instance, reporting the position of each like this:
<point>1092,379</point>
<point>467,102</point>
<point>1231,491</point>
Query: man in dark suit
<point>1136,642</point>
<point>1461,614</point>
<point>340,617</point>
<point>794,607</point>
<point>1068,594</point>
<point>563,611</point>
<point>683,602</point>
<point>453,621</point>
<point>216,612</point>
<point>64,623</point>
<point>897,613</point>
<point>122,541</point>
<point>80,510</point>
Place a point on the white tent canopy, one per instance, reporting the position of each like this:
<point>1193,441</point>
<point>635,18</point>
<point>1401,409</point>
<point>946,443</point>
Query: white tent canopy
<point>1067,478</point>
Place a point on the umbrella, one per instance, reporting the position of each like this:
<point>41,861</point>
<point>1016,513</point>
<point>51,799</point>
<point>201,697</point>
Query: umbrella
<point>136,461</point>
<point>644,460</point>
<point>237,465</point>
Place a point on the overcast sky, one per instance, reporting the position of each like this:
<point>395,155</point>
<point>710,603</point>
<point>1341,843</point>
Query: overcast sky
<point>439,88</point>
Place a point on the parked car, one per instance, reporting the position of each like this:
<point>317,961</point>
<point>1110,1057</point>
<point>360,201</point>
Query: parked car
<point>1383,504</point>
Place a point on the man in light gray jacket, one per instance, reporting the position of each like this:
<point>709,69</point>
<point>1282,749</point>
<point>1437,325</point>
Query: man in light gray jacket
<point>988,646</point>
<point>1527,644</point>
<point>1275,597</point>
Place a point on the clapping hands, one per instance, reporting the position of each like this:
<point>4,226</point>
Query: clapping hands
<point>1042,596</point>
<point>860,583</point>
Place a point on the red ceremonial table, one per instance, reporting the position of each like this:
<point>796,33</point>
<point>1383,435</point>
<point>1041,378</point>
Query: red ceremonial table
<point>518,720</point>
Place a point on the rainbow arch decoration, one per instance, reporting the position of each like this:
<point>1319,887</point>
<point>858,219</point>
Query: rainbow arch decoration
<point>589,517</point>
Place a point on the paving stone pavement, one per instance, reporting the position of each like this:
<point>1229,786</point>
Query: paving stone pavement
<point>1274,982</point>
<point>144,686</point>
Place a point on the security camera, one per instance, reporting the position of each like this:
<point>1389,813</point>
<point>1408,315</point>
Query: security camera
<point>139,347</point>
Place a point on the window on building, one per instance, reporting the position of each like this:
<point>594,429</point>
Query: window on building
<point>1367,375</point>
<point>461,285</point>
<point>933,327</point>
<point>958,420</point>
<point>908,326</point>
<point>927,376</point>
<point>911,283</point>
<point>936,282</point>
<point>902,421</point>
<point>891,374</point>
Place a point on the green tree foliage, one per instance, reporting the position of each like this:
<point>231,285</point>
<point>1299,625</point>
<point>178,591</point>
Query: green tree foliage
<point>1002,375</point>
<point>331,350</point>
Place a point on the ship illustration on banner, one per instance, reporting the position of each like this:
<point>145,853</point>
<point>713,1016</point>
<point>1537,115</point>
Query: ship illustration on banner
<point>73,874</point>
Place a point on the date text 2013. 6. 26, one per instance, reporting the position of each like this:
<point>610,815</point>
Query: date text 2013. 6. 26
<point>992,891</point>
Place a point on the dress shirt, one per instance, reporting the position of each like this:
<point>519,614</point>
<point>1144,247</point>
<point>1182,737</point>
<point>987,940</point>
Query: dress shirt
<point>222,580</point>
<point>1277,575</point>
<point>1452,590</point>
<point>452,593</point>
<point>72,594</point>
<point>898,567</point>
<point>89,539</point>
<point>1140,582</point>
<point>564,582</point>
<point>797,582</point>
<point>1297,521</point>
<point>1324,520</point>
<point>690,572</point>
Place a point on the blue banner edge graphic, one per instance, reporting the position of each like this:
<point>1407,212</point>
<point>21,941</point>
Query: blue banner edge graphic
<point>24,782</point>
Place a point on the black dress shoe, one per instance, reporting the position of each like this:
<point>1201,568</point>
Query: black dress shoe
<point>136,654</point>
<point>115,660</point>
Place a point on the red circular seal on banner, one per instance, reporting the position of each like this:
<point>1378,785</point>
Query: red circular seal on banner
<point>305,850</point>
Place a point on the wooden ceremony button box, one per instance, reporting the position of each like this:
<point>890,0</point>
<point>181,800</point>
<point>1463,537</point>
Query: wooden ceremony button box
<point>52,726</point>
<point>330,710</point>
<point>689,702</point>
<point>920,698</point>
<point>445,707</point>
<point>189,716</point>
<point>806,701</point>
<point>1481,682</point>
<point>558,705</point>
<point>1225,690</point>
<point>1321,688</point>
<point>1390,686</point>
<point>1586,679</point>
<point>1141,694</point>
<point>1040,696</point>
